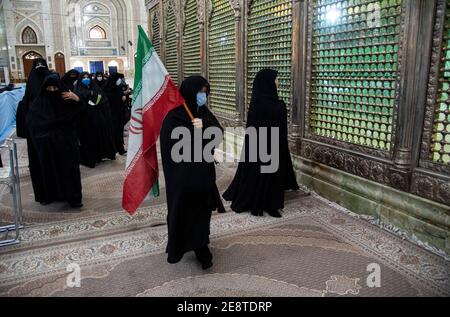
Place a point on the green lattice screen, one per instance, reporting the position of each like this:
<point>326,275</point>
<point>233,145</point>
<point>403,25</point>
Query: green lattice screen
<point>354,70</point>
<point>191,41</point>
<point>440,147</point>
<point>171,46</point>
<point>270,42</point>
<point>222,57</point>
<point>156,34</point>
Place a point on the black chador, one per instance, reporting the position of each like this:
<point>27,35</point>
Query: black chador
<point>113,89</point>
<point>99,79</point>
<point>51,125</point>
<point>252,190</point>
<point>192,192</point>
<point>95,125</point>
<point>39,72</point>
<point>70,79</point>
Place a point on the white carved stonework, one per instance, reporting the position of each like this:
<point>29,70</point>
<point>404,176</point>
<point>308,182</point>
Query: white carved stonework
<point>62,27</point>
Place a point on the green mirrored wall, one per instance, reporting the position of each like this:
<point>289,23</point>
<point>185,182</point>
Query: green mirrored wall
<point>171,58</point>
<point>270,43</point>
<point>440,147</point>
<point>191,41</point>
<point>222,57</point>
<point>355,46</point>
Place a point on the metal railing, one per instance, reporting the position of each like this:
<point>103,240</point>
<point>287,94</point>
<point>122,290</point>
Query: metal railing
<point>9,176</point>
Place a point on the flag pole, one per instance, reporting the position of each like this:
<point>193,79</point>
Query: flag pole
<point>188,111</point>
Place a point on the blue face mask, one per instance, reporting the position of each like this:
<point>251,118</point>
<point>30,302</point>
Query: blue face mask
<point>202,99</point>
<point>86,81</point>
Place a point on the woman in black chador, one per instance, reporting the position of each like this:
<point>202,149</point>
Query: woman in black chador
<point>191,188</point>
<point>252,190</point>
<point>39,72</point>
<point>99,79</point>
<point>95,126</point>
<point>70,79</point>
<point>51,125</point>
<point>113,89</point>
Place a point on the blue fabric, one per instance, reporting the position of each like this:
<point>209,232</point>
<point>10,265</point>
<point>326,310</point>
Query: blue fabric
<point>96,67</point>
<point>8,108</point>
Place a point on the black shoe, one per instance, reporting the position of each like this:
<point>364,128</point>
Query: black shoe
<point>204,256</point>
<point>275,214</point>
<point>207,266</point>
<point>258,213</point>
<point>174,259</point>
<point>76,205</point>
<point>124,153</point>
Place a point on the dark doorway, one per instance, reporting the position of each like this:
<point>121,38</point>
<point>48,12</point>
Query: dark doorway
<point>28,60</point>
<point>60,64</point>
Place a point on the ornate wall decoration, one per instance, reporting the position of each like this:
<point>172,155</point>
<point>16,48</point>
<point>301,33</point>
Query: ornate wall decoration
<point>204,10</point>
<point>377,171</point>
<point>435,150</point>
<point>155,29</point>
<point>426,185</point>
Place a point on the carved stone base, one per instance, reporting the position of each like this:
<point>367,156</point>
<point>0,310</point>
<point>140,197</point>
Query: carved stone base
<point>424,219</point>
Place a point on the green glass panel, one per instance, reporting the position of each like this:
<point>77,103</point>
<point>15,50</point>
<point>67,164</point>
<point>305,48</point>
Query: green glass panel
<point>361,75</point>
<point>171,46</point>
<point>270,43</point>
<point>191,41</point>
<point>440,144</point>
<point>222,57</point>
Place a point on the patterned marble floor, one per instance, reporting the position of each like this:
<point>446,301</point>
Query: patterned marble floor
<point>316,249</point>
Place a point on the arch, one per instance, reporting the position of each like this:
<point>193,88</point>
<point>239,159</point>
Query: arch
<point>96,8</point>
<point>97,33</point>
<point>22,25</point>
<point>113,67</point>
<point>79,66</point>
<point>156,34</point>
<point>29,36</point>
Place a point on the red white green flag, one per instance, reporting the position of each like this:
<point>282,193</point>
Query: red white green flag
<point>154,96</point>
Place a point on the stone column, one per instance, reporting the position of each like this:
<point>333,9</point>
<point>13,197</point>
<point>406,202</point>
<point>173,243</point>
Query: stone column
<point>299,52</point>
<point>417,28</point>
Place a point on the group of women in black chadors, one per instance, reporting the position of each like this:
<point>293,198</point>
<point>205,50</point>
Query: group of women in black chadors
<point>80,119</point>
<point>70,121</point>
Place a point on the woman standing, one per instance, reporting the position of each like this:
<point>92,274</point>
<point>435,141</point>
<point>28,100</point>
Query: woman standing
<point>117,100</point>
<point>70,79</point>
<point>39,72</point>
<point>99,79</point>
<point>191,186</point>
<point>95,129</point>
<point>252,190</point>
<point>51,124</point>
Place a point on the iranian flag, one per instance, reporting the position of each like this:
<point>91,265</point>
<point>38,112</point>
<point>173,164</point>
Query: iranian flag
<point>154,96</point>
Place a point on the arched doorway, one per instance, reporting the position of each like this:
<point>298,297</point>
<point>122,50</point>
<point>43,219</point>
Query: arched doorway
<point>113,67</point>
<point>60,64</point>
<point>28,60</point>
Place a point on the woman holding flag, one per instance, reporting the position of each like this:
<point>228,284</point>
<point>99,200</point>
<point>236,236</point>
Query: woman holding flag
<point>158,109</point>
<point>191,186</point>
